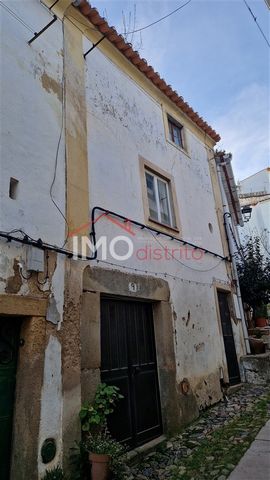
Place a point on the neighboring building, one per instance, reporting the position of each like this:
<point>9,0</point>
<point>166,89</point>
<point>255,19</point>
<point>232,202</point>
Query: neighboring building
<point>254,192</point>
<point>106,131</point>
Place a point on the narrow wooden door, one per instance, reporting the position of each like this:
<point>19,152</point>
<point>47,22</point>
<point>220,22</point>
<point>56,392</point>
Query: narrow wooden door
<point>129,361</point>
<point>9,341</point>
<point>232,362</point>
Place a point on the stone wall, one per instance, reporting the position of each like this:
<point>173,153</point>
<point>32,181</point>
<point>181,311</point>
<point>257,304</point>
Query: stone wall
<point>255,369</point>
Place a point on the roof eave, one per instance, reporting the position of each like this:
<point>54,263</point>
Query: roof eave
<point>141,64</point>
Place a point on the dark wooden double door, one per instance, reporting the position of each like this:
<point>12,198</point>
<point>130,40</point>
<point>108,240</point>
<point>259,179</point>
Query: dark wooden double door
<point>129,361</point>
<point>226,323</point>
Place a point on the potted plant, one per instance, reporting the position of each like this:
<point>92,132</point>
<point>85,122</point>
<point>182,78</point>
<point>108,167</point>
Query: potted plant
<point>261,316</point>
<point>104,455</point>
<point>257,345</point>
<point>103,450</point>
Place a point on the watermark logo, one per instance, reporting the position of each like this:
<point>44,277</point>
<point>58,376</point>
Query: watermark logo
<point>128,245</point>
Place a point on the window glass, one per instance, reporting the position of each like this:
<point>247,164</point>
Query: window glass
<point>164,202</point>
<point>175,131</point>
<point>151,196</point>
<point>160,199</point>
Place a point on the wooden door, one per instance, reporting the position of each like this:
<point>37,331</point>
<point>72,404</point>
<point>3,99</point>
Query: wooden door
<point>129,361</point>
<point>225,316</point>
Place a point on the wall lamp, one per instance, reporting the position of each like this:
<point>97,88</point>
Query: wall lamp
<point>246,212</point>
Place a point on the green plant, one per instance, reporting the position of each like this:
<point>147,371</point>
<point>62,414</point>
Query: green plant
<point>261,311</point>
<point>93,416</point>
<point>55,473</point>
<point>254,274</point>
<point>104,444</point>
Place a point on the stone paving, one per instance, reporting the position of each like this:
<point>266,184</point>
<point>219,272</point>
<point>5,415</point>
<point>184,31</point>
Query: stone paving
<point>165,462</point>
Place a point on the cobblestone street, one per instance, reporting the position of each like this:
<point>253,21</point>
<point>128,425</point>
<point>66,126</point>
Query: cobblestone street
<point>212,446</point>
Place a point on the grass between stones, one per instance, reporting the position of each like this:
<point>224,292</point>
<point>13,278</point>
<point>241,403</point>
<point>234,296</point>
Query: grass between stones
<point>218,454</point>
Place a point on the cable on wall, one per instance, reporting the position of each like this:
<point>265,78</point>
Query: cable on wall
<point>150,229</point>
<point>63,104</point>
<point>17,17</point>
<point>156,274</point>
<point>26,240</point>
<point>183,264</point>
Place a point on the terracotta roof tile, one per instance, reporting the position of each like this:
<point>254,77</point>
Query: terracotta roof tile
<point>127,50</point>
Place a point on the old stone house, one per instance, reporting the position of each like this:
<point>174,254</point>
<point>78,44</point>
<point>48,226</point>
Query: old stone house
<point>157,312</point>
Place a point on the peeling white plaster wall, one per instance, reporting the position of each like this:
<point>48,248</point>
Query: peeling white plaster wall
<point>51,403</point>
<point>31,107</point>
<point>56,300</point>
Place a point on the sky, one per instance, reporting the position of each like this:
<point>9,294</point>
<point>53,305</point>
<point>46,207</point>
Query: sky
<point>213,54</point>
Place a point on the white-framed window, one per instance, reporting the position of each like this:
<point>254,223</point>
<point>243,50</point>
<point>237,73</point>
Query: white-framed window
<point>160,199</point>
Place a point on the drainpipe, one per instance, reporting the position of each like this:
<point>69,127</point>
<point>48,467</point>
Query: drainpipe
<point>227,216</point>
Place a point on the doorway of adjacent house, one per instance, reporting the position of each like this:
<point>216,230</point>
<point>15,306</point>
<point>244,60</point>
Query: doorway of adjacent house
<point>128,361</point>
<point>226,323</point>
<point>9,342</point>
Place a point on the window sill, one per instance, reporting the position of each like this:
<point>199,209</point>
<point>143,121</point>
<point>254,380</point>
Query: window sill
<point>163,227</point>
<point>178,148</point>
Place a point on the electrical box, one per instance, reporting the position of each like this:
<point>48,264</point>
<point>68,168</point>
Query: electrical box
<point>34,259</point>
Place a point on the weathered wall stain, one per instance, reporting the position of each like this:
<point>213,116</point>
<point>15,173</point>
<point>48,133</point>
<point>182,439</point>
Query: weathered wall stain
<point>14,282</point>
<point>207,390</point>
<point>199,347</point>
<point>187,320</point>
<point>51,85</point>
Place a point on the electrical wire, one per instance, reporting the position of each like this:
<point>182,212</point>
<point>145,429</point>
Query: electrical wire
<point>17,17</point>
<point>60,138</point>
<point>158,21</point>
<point>138,29</point>
<point>26,240</point>
<point>255,20</point>
<point>157,274</point>
<point>46,246</point>
<point>238,247</point>
<point>179,261</point>
<point>46,277</point>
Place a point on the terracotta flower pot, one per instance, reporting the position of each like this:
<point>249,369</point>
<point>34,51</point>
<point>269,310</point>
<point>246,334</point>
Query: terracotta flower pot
<point>100,466</point>
<point>257,346</point>
<point>261,322</point>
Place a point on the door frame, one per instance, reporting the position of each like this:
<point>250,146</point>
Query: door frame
<point>226,289</point>
<point>100,281</point>
<point>29,379</point>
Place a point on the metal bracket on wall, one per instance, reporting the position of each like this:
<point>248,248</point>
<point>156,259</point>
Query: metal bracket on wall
<point>36,35</point>
<point>94,46</point>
